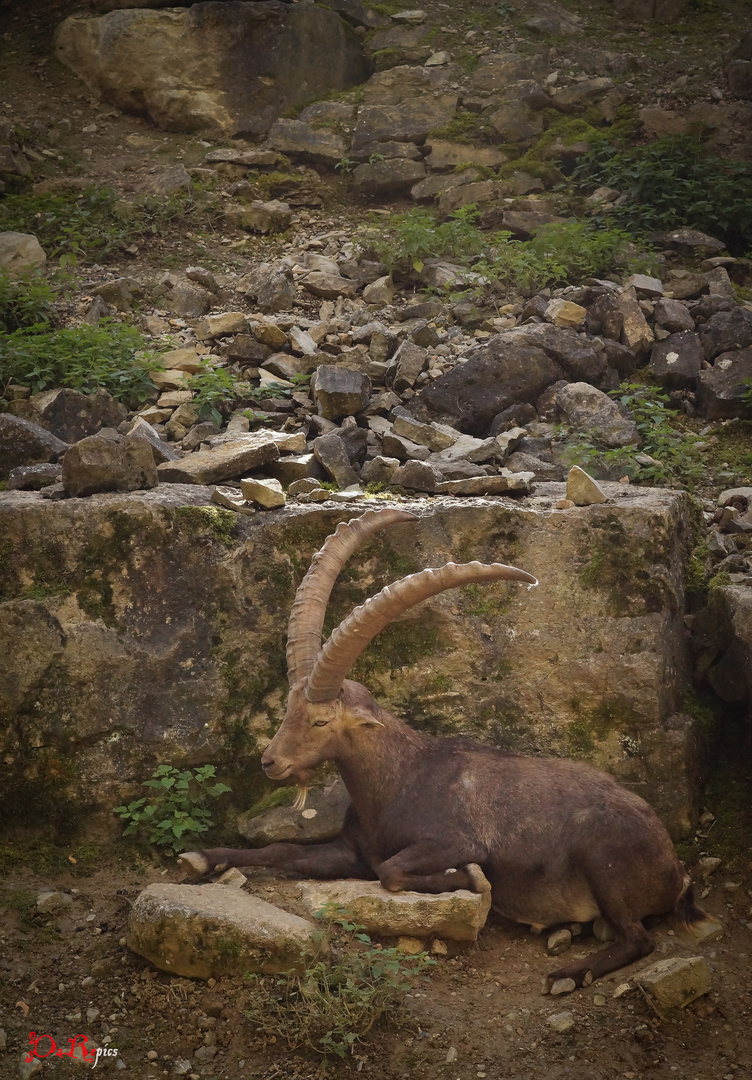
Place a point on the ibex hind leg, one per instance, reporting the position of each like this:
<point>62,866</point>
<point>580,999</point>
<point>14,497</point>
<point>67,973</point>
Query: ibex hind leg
<point>431,867</point>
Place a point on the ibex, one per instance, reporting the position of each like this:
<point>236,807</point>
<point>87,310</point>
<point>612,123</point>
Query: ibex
<point>555,841</point>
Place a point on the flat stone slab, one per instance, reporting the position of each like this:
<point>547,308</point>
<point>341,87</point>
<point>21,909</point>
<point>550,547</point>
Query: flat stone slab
<point>458,915</point>
<point>206,931</point>
<point>221,462</point>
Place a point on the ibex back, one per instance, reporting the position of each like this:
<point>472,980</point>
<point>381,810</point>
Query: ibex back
<point>556,841</point>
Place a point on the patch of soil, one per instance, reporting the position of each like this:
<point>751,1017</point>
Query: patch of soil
<point>481,1014</point>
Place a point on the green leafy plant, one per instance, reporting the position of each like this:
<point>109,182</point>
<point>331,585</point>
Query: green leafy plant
<point>663,439</point>
<point>110,355</point>
<point>334,1003</point>
<point>213,387</point>
<point>345,165</point>
<point>24,301</point>
<point>409,238</point>
<point>176,812</point>
<point>672,182</point>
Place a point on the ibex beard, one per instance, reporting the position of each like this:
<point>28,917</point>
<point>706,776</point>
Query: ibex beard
<point>555,841</point>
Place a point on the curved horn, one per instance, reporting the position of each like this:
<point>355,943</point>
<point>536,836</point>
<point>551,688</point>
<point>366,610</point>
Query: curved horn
<point>309,608</point>
<point>352,635</point>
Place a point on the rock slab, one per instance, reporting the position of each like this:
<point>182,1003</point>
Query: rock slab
<point>458,916</point>
<point>208,931</point>
<point>675,982</point>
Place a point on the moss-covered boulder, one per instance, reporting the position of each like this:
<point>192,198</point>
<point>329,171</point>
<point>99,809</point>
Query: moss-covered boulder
<point>147,628</point>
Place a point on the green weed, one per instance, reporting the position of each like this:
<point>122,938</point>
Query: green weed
<point>84,358</point>
<point>334,1003</point>
<point>672,182</point>
<point>662,437</point>
<point>24,301</point>
<point>176,813</point>
<point>215,388</point>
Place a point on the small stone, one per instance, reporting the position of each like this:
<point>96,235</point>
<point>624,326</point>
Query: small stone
<point>675,982</point>
<point>563,986</point>
<point>582,489</point>
<point>565,313</point>
<point>232,878</point>
<point>599,1000</point>
<point>152,1055</point>
<point>558,942</point>
<point>562,1021</point>
<point>622,989</point>
<point>29,1068</point>
<point>707,865</point>
<point>410,945</point>
<point>267,493</point>
<point>304,486</point>
<point>451,1055</point>
<point>439,948</point>
<point>564,504</point>
<point>644,285</point>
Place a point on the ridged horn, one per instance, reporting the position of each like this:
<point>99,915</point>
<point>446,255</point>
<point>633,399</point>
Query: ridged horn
<point>309,607</point>
<point>352,635</point>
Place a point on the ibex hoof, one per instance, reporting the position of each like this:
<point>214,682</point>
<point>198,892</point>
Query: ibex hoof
<point>481,884</point>
<point>194,862</point>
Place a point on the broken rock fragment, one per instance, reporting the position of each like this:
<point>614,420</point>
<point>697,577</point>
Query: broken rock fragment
<point>224,462</point>
<point>108,463</point>
<point>213,931</point>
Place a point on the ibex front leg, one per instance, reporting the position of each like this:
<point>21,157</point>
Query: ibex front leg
<point>432,867</point>
<point>333,860</point>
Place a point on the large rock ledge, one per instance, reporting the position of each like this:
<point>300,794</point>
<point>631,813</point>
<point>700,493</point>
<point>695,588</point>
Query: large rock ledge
<point>232,67</point>
<point>150,627</point>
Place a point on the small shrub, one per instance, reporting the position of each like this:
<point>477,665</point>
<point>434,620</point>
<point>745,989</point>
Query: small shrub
<point>24,301</point>
<point>415,235</point>
<point>334,1003</point>
<point>81,357</point>
<point>672,182</point>
<point>176,814</point>
<point>662,438</point>
<point>214,387</point>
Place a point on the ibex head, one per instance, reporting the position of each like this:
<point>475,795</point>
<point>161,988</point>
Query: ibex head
<point>324,709</point>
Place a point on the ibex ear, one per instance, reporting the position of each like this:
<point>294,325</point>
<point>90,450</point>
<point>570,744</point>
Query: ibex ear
<point>361,718</point>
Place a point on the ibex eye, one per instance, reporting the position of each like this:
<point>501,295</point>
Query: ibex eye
<point>320,723</point>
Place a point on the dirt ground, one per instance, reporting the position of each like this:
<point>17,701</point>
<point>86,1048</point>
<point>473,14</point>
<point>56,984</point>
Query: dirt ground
<point>481,1015</point>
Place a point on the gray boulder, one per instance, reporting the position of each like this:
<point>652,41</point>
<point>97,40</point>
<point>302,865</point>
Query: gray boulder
<point>108,463</point>
<point>20,252</point>
<point>24,443</point>
<point>320,820</point>
<point>71,415</point>
<point>270,286</point>
<point>471,394</point>
<point>331,453</point>
<point>381,177</point>
<point>673,316</point>
<point>677,361</point>
<point>726,330</point>
<point>232,68</point>
<point>339,391</point>
<point>587,409</point>
<point>417,476</point>
<point>722,390</point>
<point>301,140</point>
<point>33,477</point>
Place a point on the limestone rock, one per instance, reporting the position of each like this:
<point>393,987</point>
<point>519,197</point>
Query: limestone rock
<point>71,415</point>
<point>380,292</point>
<point>25,443</point>
<point>331,453</point>
<point>408,361</point>
<point>589,409</point>
<point>226,462</point>
<point>458,916</point>
<point>161,451</point>
<point>216,326</point>
<point>390,175</point>
<point>673,316</point>
<point>320,820</point>
<point>677,360</point>
<point>517,483</point>
<point>426,434</point>
<point>416,476</point>
<point>339,391</point>
<point>565,313</point>
<point>173,65</point>
<point>503,374</point>
<point>267,493</point>
<point>272,288</point>
<point>189,300</point>
<point>33,477</point>
<point>19,253</point>
<point>259,217</point>
<point>301,140</point>
<point>108,463</point>
<point>328,286</point>
<point>726,330</point>
<point>676,981</point>
<point>379,470</point>
<point>722,391</point>
<point>635,334</point>
<point>211,931</point>
<point>497,71</point>
<point>582,489</point>
<point>447,155</point>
